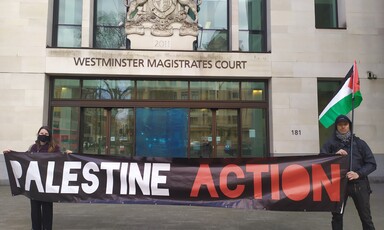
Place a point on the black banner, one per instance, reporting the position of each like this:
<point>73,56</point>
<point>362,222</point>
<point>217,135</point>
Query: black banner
<point>298,183</point>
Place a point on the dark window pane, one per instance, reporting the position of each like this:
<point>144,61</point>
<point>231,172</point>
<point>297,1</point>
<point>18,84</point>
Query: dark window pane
<point>253,133</point>
<point>326,13</point>
<point>251,14</point>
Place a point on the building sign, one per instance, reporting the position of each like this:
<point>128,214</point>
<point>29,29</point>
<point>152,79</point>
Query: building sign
<point>310,183</point>
<point>150,63</point>
<point>158,63</point>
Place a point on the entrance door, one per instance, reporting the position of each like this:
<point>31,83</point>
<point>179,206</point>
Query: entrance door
<point>160,132</point>
<point>108,131</point>
<point>214,132</point>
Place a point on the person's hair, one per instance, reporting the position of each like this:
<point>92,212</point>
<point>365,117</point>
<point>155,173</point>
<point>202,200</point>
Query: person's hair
<point>51,143</point>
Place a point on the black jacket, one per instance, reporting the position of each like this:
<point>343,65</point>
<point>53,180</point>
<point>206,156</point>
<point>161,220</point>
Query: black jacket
<point>363,161</point>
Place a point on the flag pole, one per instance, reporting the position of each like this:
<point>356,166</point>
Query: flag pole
<point>354,74</point>
<point>352,118</point>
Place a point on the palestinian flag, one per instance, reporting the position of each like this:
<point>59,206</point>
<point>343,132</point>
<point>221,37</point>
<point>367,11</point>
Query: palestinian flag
<point>348,95</point>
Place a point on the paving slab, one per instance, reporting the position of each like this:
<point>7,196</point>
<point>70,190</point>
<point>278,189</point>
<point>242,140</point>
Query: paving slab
<point>15,215</point>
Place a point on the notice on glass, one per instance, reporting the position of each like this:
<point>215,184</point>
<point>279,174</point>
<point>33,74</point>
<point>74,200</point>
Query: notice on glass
<point>252,133</point>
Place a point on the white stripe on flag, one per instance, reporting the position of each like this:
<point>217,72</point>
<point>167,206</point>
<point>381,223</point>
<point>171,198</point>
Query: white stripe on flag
<point>343,92</point>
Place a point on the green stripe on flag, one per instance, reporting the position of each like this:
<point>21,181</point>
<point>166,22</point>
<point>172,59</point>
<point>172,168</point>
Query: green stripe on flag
<point>343,106</point>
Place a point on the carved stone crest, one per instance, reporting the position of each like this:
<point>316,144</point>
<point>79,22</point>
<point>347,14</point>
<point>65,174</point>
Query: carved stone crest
<point>162,8</point>
<point>162,17</point>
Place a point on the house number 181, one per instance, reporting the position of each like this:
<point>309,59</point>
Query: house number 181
<point>296,132</point>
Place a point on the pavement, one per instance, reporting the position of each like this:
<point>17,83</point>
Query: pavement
<point>15,214</point>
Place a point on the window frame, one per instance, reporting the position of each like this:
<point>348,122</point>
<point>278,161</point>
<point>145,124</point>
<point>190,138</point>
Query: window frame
<point>180,103</point>
<point>227,30</point>
<point>96,26</point>
<point>55,25</point>
<point>263,31</point>
<point>340,22</point>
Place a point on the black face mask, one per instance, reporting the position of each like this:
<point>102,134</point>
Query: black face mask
<point>43,138</point>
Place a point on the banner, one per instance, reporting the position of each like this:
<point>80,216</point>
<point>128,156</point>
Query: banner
<point>297,183</point>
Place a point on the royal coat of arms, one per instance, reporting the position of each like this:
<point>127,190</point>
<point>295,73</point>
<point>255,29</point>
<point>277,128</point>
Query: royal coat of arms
<point>162,17</point>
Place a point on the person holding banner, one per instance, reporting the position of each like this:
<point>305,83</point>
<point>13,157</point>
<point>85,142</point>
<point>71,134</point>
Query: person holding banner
<point>362,164</point>
<point>41,211</point>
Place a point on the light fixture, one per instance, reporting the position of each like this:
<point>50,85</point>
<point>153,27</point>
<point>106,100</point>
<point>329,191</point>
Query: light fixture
<point>371,75</point>
<point>257,91</point>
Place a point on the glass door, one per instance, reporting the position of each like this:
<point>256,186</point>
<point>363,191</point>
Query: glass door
<point>121,131</point>
<point>214,133</point>
<point>94,138</point>
<point>226,131</point>
<point>201,133</point>
<point>108,131</point>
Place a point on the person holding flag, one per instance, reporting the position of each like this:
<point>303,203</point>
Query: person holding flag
<point>344,142</point>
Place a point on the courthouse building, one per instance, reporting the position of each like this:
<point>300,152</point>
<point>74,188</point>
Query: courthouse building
<point>186,78</point>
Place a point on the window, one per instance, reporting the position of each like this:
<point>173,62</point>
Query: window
<point>107,131</point>
<point>164,118</point>
<point>107,89</point>
<point>325,92</point>
<point>252,25</point>
<point>213,25</point>
<point>253,91</point>
<point>65,128</point>
<point>162,90</point>
<point>205,90</point>
<point>253,132</point>
<point>330,14</point>
<point>67,89</point>
<point>109,24</point>
<point>67,26</point>
<point>106,29</point>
